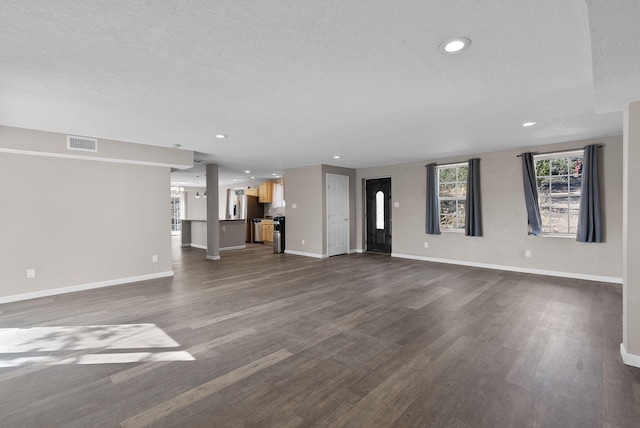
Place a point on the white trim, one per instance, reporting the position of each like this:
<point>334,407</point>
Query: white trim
<point>213,257</point>
<point>358,250</point>
<point>202,247</point>
<point>629,359</point>
<point>82,287</point>
<point>302,253</point>
<point>237,247</point>
<point>574,275</point>
<point>93,158</point>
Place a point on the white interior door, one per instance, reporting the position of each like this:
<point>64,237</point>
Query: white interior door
<point>337,214</point>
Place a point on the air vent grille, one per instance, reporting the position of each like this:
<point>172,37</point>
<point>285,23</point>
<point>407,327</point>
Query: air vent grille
<point>82,143</point>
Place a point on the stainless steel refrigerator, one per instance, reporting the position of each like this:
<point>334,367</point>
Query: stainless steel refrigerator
<point>243,207</point>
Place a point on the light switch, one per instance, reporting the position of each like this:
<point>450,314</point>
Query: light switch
<point>396,204</point>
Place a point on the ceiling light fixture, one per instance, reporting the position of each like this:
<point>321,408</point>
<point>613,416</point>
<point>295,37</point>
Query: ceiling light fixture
<point>221,136</point>
<point>197,184</point>
<point>527,124</point>
<point>336,157</point>
<point>455,45</point>
<point>247,172</point>
<point>273,173</point>
<point>252,176</point>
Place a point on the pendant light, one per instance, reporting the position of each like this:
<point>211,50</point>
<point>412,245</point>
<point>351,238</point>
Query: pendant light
<point>205,184</point>
<point>197,184</point>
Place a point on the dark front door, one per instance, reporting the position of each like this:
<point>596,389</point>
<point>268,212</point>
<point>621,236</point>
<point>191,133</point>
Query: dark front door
<point>379,215</point>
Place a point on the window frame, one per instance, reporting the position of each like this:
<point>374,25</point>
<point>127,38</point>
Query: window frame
<point>452,198</point>
<point>569,194</point>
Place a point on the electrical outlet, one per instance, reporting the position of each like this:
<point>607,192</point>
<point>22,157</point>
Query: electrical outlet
<point>527,253</point>
<point>224,228</point>
<point>31,273</point>
<point>303,242</point>
<point>396,204</point>
<point>154,258</point>
<point>426,245</point>
<point>294,206</point>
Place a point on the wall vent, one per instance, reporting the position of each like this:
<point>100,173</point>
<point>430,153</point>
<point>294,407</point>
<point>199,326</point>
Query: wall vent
<point>82,143</point>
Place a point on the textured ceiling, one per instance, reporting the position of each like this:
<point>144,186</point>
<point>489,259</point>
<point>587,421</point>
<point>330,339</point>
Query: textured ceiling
<point>293,83</point>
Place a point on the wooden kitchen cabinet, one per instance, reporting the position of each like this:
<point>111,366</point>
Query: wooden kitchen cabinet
<point>252,191</point>
<point>265,192</point>
<point>266,230</point>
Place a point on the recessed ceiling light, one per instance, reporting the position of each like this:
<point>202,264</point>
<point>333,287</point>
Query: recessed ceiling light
<point>221,136</point>
<point>526,124</point>
<point>277,176</point>
<point>455,45</point>
<point>252,176</point>
<point>274,173</point>
<point>247,172</point>
<point>336,157</point>
<point>235,179</point>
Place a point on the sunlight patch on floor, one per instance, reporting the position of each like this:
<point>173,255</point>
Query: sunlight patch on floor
<point>147,339</point>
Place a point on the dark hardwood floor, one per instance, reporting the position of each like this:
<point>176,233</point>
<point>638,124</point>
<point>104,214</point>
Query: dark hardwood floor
<point>363,340</point>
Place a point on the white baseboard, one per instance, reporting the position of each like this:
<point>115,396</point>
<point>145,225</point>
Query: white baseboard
<point>629,359</point>
<point>574,275</point>
<point>213,257</point>
<point>358,250</point>
<point>302,253</point>
<point>82,287</point>
<point>202,247</point>
<point>237,247</point>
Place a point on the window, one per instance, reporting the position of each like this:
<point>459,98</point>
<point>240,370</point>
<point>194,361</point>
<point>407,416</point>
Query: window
<point>559,178</point>
<point>452,195</point>
<point>176,205</point>
<point>379,209</point>
<point>278,195</point>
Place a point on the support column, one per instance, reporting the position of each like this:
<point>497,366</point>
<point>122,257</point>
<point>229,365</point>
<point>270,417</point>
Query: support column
<point>213,224</point>
<point>630,347</point>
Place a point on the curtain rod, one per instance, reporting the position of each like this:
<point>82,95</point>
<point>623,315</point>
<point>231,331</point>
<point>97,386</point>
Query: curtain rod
<point>451,163</point>
<point>560,151</point>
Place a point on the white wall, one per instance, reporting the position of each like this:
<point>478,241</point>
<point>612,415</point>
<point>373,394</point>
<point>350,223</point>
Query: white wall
<point>194,208</point>
<point>303,189</point>
<point>79,222</point>
<point>631,246</point>
<point>504,218</point>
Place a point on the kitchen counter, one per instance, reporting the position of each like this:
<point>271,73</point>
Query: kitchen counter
<point>232,234</point>
<point>194,233</point>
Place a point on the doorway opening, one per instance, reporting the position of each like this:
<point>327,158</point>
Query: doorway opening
<point>378,215</point>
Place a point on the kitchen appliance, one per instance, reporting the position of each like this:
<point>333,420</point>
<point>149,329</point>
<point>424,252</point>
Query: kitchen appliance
<point>278,234</point>
<point>243,207</point>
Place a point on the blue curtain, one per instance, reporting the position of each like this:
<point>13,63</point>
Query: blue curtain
<point>432,220</point>
<point>531,193</point>
<point>590,218</point>
<point>473,215</point>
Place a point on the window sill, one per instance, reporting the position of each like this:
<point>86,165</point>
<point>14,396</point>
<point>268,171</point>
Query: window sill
<point>452,231</point>
<point>558,235</point>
